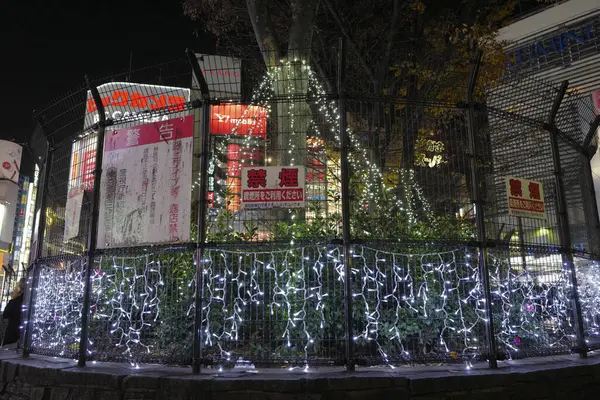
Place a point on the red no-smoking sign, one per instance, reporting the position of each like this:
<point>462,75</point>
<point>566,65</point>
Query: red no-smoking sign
<point>269,187</point>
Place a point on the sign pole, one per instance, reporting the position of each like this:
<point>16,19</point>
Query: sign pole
<point>202,205</point>
<point>522,243</point>
<point>37,248</point>
<point>480,218</point>
<point>345,209</point>
<point>92,234</point>
<point>563,223</point>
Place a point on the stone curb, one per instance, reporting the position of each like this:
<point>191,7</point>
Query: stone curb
<point>45,378</point>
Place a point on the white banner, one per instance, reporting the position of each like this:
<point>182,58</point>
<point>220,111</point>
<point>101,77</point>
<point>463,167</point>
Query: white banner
<point>145,195</point>
<point>525,198</point>
<point>223,76</point>
<point>73,213</point>
<point>273,187</point>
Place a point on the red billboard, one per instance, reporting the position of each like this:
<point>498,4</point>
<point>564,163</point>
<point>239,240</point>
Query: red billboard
<point>239,120</point>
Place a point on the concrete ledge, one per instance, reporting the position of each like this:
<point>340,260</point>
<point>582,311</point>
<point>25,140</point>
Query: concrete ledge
<point>46,378</point>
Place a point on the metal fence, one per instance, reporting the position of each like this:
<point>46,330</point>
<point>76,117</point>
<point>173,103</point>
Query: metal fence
<point>405,251</point>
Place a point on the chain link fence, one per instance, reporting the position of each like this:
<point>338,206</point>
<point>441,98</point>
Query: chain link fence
<point>386,240</point>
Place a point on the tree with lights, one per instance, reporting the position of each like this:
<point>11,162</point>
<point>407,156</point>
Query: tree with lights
<point>405,54</point>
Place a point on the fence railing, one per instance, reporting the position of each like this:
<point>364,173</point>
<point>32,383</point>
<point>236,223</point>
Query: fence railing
<point>399,249</point>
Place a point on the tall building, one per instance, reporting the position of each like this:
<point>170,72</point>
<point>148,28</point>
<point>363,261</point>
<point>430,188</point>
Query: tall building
<point>554,44</point>
<point>16,260</point>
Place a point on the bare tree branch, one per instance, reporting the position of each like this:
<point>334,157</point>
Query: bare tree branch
<point>263,31</point>
<point>303,17</point>
<point>390,40</point>
<point>352,46</point>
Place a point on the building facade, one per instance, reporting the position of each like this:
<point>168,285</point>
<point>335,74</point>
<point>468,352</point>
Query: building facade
<point>556,44</point>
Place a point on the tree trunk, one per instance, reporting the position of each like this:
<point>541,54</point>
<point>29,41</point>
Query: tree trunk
<point>293,114</point>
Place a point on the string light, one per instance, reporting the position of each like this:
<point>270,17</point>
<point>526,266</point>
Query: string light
<point>296,296</point>
<point>296,76</point>
<point>56,319</point>
<point>390,289</point>
<point>292,291</point>
<point>419,287</point>
<point>128,297</point>
<point>588,274</point>
<point>534,302</point>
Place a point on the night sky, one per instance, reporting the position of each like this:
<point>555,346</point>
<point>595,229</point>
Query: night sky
<point>48,47</point>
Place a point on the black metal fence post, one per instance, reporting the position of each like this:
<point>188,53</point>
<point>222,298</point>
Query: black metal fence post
<point>479,216</point>
<point>32,282</point>
<point>589,192</point>
<point>92,234</point>
<point>344,142</point>
<point>202,203</point>
<point>563,221</point>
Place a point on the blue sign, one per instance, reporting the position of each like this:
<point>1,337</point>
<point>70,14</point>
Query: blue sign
<point>552,47</point>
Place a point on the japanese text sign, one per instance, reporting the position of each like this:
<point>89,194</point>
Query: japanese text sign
<point>129,104</point>
<point>145,193</point>
<point>525,198</point>
<point>273,187</point>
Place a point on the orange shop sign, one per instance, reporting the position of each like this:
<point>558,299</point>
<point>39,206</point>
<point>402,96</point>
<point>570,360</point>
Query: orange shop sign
<point>238,120</point>
<point>137,100</point>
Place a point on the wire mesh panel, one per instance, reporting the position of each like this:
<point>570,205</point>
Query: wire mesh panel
<point>55,319</point>
<point>272,305</point>
<point>273,271</point>
<point>531,303</point>
<point>290,123</point>
<point>417,304</point>
<point>68,199</point>
<point>519,150</point>
<point>142,307</point>
<point>588,278</point>
<point>410,176</point>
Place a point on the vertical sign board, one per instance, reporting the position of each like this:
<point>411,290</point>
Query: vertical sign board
<point>10,161</point>
<point>145,195</point>
<point>10,164</point>
<point>273,187</point>
<point>129,104</point>
<point>73,212</point>
<point>525,198</point>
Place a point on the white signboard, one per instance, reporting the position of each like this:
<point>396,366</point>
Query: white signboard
<point>73,213</point>
<point>273,187</point>
<point>525,198</point>
<point>223,76</point>
<point>145,194</point>
<point>10,161</point>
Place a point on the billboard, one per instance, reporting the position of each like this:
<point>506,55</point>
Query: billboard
<point>135,102</point>
<point>10,161</point>
<point>239,120</point>
<point>129,103</point>
<point>145,195</point>
<point>273,187</point>
<point>525,198</point>
<point>223,76</point>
